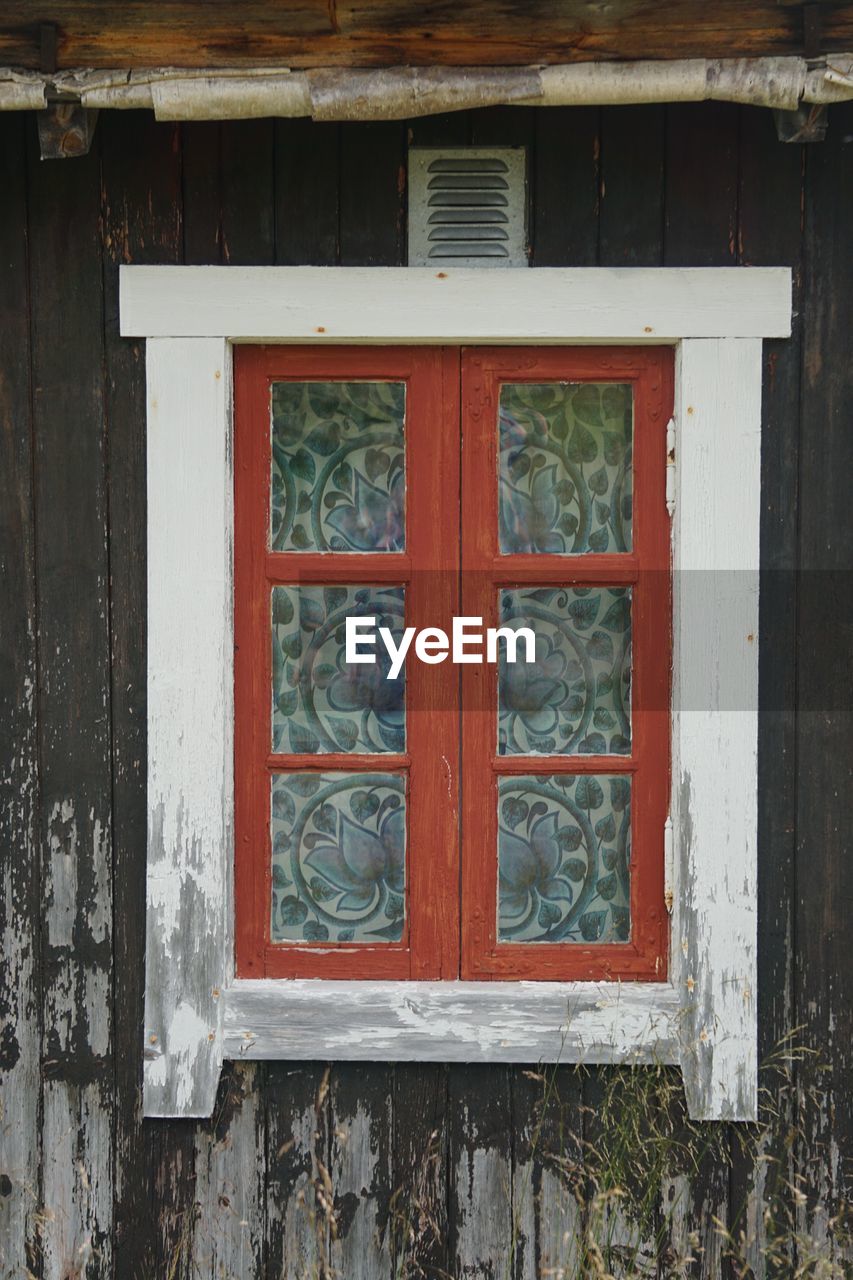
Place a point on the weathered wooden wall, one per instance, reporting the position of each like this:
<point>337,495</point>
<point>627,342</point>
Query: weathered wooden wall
<point>461,1160</point>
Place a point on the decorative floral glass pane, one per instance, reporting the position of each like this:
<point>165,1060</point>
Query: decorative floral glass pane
<point>564,855</point>
<point>338,480</point>
<point>565,467</point>
<point>320,702</point>
<point>576,697</point>
<point>338,857</point>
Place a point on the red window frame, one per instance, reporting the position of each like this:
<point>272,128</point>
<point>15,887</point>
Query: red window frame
<point>428,569</point>
<point>452,565</point>
<point>646,569</point>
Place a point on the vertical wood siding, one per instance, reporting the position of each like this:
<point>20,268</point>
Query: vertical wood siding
<point>369,1172</point>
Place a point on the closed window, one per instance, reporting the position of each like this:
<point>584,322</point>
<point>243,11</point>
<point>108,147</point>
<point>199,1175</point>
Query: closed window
<point>477,819</point>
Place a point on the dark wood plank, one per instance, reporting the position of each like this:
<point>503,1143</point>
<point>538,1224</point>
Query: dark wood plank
<point>299,1196</point>
<point>362,1100</point>
<point>230,1165</point>
<point>547,1172</point>
<point>700,229</point>
<point>420,1170</point>
<point>201,155</point>
<point>307,168</point>
<point>824,869</point>
<point>372,194</point>
<point>20,913</point>
<point>770,233</point>
<point>450,130</point>
<point>565,187</point>
<point>623,1168</point>
<point>632,168</point>
<point>481,1224</point>
<point>248,214</point>
<point>701,185</point>
<point>393,32</point>
<point>141,217</point>
<point>233,168</point>
<point>71,506</point>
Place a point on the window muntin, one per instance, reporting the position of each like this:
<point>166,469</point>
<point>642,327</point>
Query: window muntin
<point>593,608</point>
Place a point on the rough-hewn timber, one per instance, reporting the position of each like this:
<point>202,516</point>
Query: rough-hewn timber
<point>96,33</point>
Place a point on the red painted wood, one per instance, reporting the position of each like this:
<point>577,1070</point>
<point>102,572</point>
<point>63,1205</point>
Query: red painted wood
<point>446,522</point>
<point>429,569</point>
<point>647,570</point>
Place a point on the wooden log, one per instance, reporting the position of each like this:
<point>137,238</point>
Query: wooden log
<point>391,33</point>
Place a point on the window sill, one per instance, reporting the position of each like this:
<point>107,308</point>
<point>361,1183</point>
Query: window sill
<point>590,1022</point>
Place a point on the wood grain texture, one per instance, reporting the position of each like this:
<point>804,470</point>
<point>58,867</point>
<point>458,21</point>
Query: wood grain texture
<point>824,883</point>
<point>299,1193</point>
<point>701,1195</point>
<point>75,810</point>
<point>452,1021</point>
<point>140,210</point>
<point>19,778</point>
<point>482,1236</point>
<point>399,32</point>
<point>229,1225</point>
<point>769,230</point>
<point>306,193</point>
<point>361,1171</point>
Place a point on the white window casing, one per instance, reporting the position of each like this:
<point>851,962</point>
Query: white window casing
<point>196,1012</point>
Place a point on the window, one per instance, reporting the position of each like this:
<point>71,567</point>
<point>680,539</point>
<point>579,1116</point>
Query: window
<point>702,1013</point>
<point>346,505</point>
<point>356,497</point>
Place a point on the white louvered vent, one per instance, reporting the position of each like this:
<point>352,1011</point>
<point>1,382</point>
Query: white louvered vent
<point>467,207</point>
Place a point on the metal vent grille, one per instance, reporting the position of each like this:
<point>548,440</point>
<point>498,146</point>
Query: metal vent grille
<point>467,207</point>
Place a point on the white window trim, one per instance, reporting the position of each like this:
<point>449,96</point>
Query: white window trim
<point>197,1013</point>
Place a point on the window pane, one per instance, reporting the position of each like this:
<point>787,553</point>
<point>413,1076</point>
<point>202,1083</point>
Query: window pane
<point>576,697</point>
<point>564,853</point>
<point>338,479</point>
<point>321,703</point>
<point>338,857</point>
<point>565,467</point>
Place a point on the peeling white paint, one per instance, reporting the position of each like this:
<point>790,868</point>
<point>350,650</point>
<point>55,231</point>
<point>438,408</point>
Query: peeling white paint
<point>715,720</point>
<point>190,718</point>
